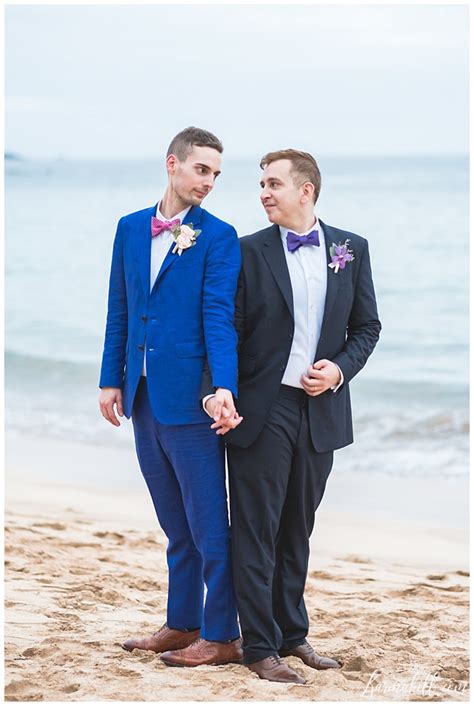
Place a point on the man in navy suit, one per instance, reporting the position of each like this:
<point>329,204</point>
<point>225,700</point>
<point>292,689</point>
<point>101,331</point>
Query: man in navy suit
<point>171,305</point>
<point>307,321</point>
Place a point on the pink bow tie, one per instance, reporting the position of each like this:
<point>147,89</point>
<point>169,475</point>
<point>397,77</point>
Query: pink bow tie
<point>158,226</point>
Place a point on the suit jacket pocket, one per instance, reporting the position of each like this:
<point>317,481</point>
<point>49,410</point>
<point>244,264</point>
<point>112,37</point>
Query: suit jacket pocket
<point>190,349</point>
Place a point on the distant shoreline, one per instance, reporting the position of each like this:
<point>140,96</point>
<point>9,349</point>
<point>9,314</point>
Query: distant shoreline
<point>400,507</point>
<point>93,158</point>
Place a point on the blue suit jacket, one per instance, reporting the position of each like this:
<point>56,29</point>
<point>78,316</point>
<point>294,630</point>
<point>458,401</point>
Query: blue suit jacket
<point>188,316</point>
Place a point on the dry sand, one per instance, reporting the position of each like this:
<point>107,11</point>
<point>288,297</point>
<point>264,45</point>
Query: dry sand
<point>85,568</point>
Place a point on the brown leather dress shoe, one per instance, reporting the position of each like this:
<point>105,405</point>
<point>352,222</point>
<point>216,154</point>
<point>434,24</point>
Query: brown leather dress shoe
<point>274,669</point>
<point>165,639</point>
<point>307,655</point>
<point>205,652</point>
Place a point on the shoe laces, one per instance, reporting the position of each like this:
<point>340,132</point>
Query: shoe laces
<point>196,645</point>
<point>163,627</point>
<point>275,660</point>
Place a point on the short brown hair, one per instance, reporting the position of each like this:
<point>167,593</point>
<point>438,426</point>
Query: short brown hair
<point>182,144</point>
<point>303,167</point>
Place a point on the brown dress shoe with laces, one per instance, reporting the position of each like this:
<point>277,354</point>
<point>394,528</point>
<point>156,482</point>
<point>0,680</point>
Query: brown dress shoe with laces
<point>274,669</point>
<point>205,652</point>
<point>165,639</point>
<point>307,655</point>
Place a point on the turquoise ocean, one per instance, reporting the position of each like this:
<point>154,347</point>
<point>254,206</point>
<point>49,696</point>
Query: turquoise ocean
<point>410,402</point>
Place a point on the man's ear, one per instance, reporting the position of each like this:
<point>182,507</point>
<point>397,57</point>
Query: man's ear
<point>171,163</point>
<point>308,192</point>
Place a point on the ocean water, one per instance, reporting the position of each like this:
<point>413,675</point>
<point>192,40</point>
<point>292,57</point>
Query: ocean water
<point>410,402</point>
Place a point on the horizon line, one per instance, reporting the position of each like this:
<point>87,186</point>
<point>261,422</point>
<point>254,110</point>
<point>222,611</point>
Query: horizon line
<point>13,155</point>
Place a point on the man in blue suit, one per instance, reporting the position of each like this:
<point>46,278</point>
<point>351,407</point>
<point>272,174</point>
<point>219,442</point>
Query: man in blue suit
<point>171,305</point>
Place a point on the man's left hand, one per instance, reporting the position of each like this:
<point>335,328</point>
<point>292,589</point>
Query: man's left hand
<point>223,405</point>
<point>321,376</point>
<point>222,409</point>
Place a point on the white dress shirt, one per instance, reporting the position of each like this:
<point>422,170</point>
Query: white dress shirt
<point>308,269</point>
<point>308,274</point>
<point>160,246</point>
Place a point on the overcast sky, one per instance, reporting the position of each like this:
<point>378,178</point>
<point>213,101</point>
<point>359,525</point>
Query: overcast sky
<point>120,80</point>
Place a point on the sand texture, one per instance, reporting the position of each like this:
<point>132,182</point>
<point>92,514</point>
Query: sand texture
<point>76,586</point>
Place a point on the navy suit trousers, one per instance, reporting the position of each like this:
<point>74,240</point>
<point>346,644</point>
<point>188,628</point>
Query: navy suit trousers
<point>276,485</point>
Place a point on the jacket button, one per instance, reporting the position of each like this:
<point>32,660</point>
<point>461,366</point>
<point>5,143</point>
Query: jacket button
<point>141,348</point>
<point>290,336</point>
<point>144,318</point>
<point>282,368</point>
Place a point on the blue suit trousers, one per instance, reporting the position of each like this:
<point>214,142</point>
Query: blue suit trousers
<point>184,468</point>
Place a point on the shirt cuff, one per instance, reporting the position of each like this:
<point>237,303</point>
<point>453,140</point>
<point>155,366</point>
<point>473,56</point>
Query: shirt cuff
<point>204,400</point>
<point>341,381</point>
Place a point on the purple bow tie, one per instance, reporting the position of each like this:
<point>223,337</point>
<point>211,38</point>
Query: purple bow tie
<point>158,226</point>
<point>294,241</point>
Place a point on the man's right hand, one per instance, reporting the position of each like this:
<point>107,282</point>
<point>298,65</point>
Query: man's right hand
<point>109,398</point>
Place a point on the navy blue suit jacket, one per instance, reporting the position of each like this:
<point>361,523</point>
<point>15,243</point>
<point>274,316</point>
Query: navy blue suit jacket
<point>188,316</point>
<point>265,324</point>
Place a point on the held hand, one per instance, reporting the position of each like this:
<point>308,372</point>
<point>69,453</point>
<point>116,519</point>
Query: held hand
<point>321,376</point>
<point>224,406</point>
<point>222,427</point>
<point>223,421</point>
<point>110,396</point>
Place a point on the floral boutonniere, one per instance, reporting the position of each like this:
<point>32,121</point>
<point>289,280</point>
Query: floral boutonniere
<point>340,256</point>
<point>184,236</point>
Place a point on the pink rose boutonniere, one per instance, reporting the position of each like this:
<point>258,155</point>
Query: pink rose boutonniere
<point>184,236</point>
<point>340,256</point>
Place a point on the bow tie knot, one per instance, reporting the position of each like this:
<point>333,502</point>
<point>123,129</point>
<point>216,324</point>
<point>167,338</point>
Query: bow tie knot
<point>157,226</point>
<point>295,241</point>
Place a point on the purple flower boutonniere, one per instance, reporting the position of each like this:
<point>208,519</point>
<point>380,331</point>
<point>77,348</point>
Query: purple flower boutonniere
<point>340,256</point>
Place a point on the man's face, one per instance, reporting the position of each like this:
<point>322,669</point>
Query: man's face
<point>194,178</point>
<point>280,196</point>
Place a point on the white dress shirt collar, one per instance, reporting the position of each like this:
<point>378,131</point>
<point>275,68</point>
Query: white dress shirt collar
<point>181,215</point>
<point>284,231</point>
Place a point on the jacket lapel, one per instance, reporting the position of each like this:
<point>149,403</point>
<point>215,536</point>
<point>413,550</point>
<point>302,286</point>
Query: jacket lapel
<point>143,248</point>
<point>275,257</point>
<point>193,216</point>
<point>332,282</point>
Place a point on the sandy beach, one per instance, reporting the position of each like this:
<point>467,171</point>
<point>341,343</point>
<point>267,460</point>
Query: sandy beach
<point>85,568</point>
